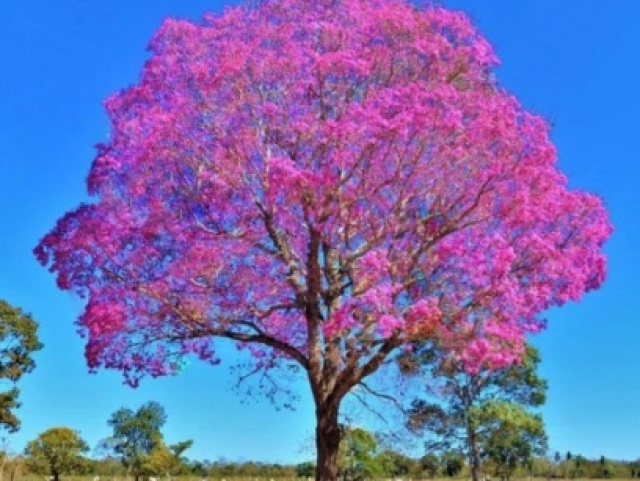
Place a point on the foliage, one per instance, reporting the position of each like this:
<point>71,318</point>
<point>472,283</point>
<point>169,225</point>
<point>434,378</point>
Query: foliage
<point>322,183</point>
<point>480,413</point>
<point>136,434</point>
<point>393,464</point>
<point>107,466</point>
<point>452,463</point>
<point>306,469</point>
<point>579,466</point>
<point>56,451</point>
<point>357,453</point>
<point>514,438</point>
<point>430,464</point>
<point>166,460</point>
<point>387,463</point>
<point>361,458</point>
<point>18,342</point>
<point>250,469</point>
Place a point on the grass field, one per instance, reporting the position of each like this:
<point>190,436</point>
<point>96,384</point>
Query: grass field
<point>32,477</point>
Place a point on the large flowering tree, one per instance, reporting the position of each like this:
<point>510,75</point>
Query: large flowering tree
<point>324,183</point>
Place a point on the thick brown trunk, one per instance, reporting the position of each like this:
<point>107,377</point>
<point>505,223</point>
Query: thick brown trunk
<point>327,444</point>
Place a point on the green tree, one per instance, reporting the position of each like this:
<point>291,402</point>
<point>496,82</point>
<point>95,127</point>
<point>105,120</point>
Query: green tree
<point>515,437</point>
<point>457,419</point>
<point>392,464</point>
<point>56,451</point>
<point>356,455</point>
<point>18,341</point>
<point>136,434</point>
<point>452,463</point>
<point>430,464</point>
<point>306,469</point>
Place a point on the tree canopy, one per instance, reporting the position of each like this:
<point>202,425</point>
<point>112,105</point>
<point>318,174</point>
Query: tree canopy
<point>136,434</point>
<point>322,183</point>
<point>18,342</point>
<point>515,436</point>
<point>56,451</point>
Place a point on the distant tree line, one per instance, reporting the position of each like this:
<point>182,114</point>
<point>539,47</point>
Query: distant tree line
<point>383,464</point>
<point>60,452</point>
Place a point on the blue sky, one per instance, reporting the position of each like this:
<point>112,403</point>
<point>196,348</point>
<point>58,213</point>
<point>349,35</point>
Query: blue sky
<point>574,62</point>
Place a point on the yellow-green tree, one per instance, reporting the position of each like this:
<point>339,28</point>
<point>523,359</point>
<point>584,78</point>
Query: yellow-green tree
<point>56,451</point>
<point>166,459</point>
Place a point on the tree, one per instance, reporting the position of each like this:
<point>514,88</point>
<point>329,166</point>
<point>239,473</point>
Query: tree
<point>307,469</point>
<point>430,463</point>
<point>18,342</point>
<point>357,454</point>
<point>393,464</point>
<point>136,434</point>
<point>165,459</point>
<point>474,411</point>
<point>56,451</point>
<point>357,450</point>
<point>605,471</point>
<point>516,436</point>
<point>322,183</point>
<point>453,463</point>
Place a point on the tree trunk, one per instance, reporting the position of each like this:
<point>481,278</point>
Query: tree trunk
<point>475,456</point>
<point>327,444</point>
<point>475,472</point>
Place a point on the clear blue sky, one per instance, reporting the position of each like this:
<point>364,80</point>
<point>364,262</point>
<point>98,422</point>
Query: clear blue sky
<point>576,63</point>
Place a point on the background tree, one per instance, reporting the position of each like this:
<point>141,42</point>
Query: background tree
<point>136,434</point>
<point>430,464</point>
<point>605,470</point>
<point>306,469</point>
<point>322,184</point>
<point>18,342</point>
<point>56,451</point>
<point>167,460</point>
<point>358,449</point>
<point>515,437</point>
<point>361,457</point>
<point>452,463</point>
<point>472,411</point>
<point>390,463</point>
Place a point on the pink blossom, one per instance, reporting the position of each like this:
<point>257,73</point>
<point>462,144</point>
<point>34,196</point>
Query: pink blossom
<point>297,177</point>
